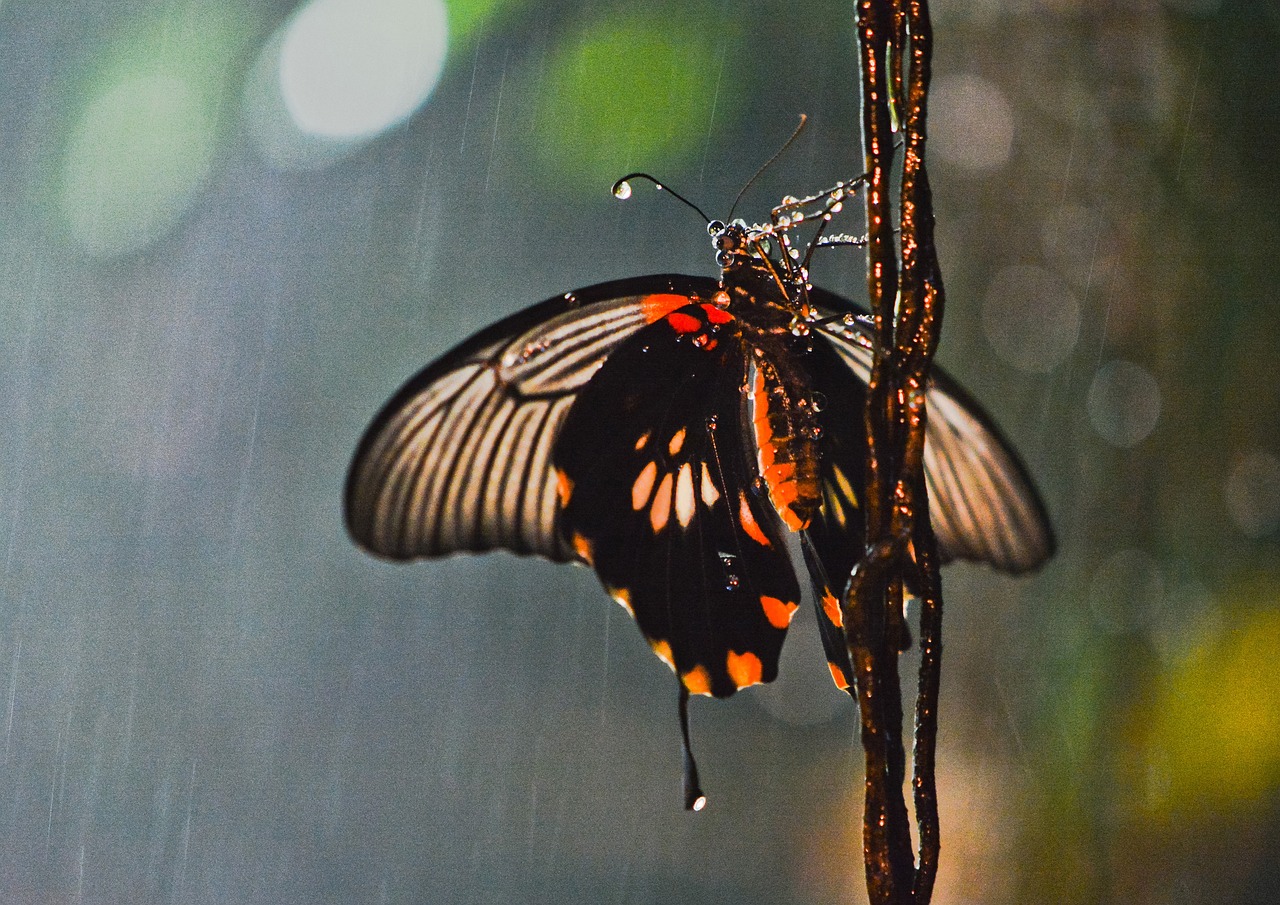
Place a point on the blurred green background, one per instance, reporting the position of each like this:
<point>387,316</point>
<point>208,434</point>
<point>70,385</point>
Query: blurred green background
<point>231,228</point>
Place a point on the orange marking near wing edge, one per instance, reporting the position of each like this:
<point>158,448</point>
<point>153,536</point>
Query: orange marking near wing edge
<point>623,597</point>
<point>778,612</point>
<point>564,488</point>
<point>831,607</point>
<point>745,669</point>
<point>749,523</point>
<point>583,548</point>
<point>837,676</point>
<point>657,306</point>
<point>697,680</point>
<point>663,650</point>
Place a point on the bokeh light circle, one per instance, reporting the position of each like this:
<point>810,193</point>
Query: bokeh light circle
<point>625,94</point>
<point>1031,318</point>
<point>140,152</point>
<point>1253,493</point>
<point>350,69</point>
<point>1123,403</point>
<point>970,122</point>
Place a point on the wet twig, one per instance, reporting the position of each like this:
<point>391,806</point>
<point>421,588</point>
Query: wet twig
<point>905,290</point>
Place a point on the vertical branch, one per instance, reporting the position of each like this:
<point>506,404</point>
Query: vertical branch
<point>886,834</point>
<point>905,290</point>
<point>917,343</point>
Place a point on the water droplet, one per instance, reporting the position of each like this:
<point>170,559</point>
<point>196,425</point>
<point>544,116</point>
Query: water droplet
<point>731,579</point>
<point>797,217</point>
<point>788,200</point>
<point>798,327</point>
<point>794,253</point>
<point>715,226</point>
<point>837,207</point>
<point>723,258</point>
<point>622,191</point>
<point>784,221</point>
<point>818,401</point>
<point>721,299</point>
<point>849,320</point>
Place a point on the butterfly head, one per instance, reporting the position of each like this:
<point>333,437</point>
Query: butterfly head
<point>732,242</point>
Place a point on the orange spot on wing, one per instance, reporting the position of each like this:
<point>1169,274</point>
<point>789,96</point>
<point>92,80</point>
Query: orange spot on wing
<point>745,669</point>
<point>837,676</point>
<point>656,307</point>
<point>683,323</point>
<point>583,548</point>
<point>661,510</point>
<point>564,488</point>
<point>831,607</point>
<point>643,486</point>
<point>623,596</point>
<point>697,680</point>
<point>644,438</point>
<point>663,650</point>
<point>677,441</point>
<point>778,612</point>
<point>749,523</point>
<point>686,501</point>
<point>709,492</point>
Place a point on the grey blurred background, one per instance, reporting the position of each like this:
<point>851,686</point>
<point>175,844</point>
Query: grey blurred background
<point>231,228</point>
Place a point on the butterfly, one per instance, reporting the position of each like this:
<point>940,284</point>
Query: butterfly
<point>669,431</point>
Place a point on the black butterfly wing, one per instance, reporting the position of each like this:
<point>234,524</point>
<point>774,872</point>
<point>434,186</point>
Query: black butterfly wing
<point>460,458</point>
<point>983,503</point>
<point>660,496</point>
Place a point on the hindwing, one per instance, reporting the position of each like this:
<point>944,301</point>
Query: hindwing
<point>659,493</point>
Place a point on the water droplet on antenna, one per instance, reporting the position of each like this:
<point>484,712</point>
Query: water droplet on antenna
<point>622,191</point>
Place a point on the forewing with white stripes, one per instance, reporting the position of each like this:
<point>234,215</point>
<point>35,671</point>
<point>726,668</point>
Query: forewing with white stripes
<point>459,459</point>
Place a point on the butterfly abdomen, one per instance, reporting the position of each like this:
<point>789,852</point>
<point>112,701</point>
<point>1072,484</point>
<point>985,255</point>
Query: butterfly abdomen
<point>785,434</point>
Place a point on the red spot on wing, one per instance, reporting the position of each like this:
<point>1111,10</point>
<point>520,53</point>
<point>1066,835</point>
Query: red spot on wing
<point>683,323</point>
<point>716,315</point>
<point>659,305</point>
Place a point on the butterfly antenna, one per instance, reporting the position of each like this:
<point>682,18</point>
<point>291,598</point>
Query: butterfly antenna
<point>622,191</point>
<point>768,163</point>
<point>694,800</point>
